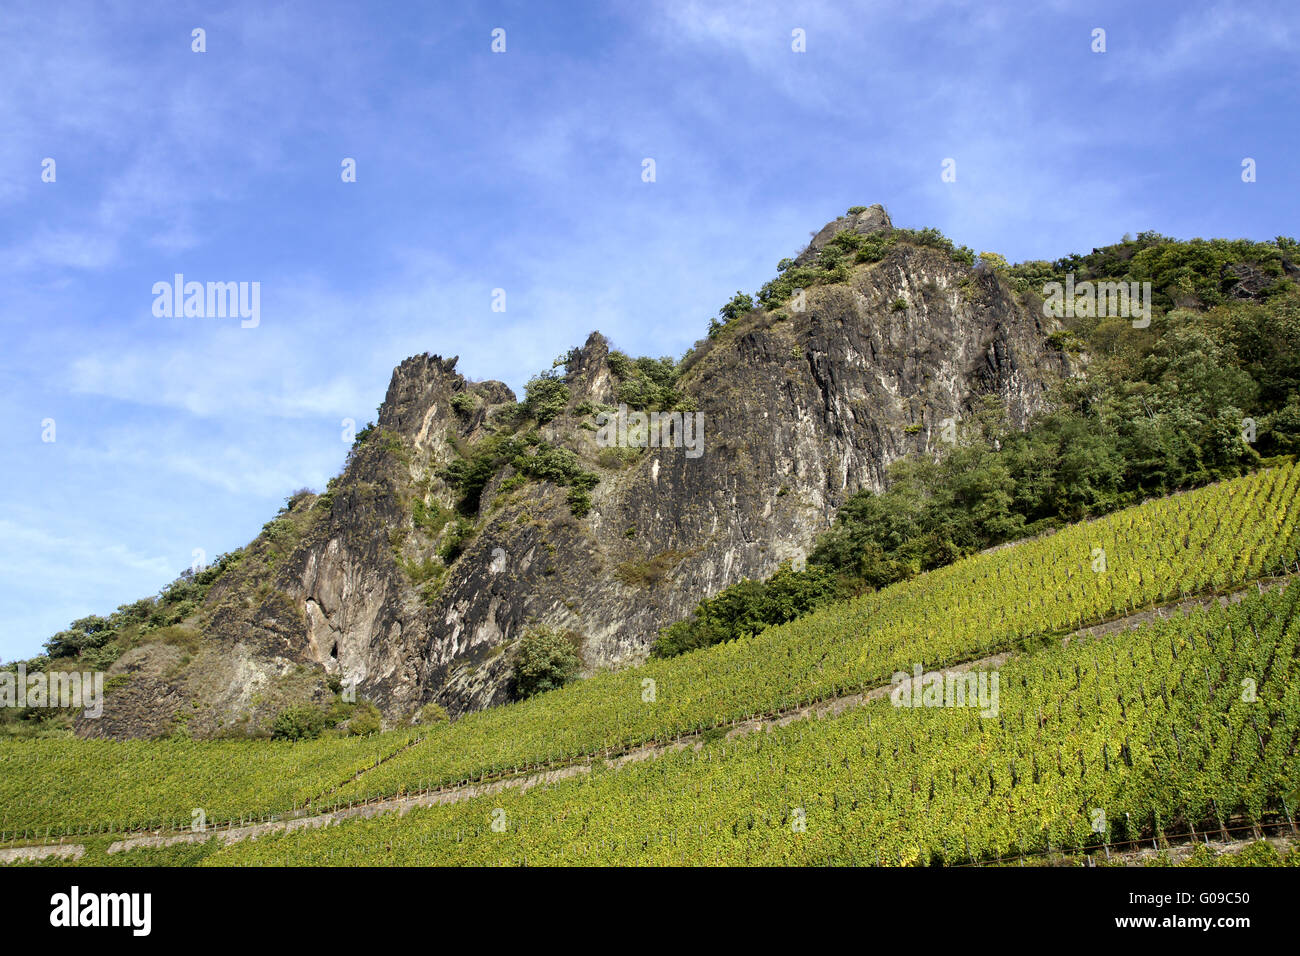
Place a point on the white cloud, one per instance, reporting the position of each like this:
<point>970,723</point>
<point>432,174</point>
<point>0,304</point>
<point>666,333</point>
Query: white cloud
<point>1210,40</point>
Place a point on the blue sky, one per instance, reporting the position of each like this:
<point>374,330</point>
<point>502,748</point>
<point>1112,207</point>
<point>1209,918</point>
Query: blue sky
<point>520,171</point>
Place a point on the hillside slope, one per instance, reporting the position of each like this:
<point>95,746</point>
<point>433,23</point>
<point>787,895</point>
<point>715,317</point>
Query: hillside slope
<point>463,518</point>
<point>1031,595</point>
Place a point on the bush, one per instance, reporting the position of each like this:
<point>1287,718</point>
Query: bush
<point>470,475</point>
<point>463,403</point>
<point>364,435</point>
<point>546,660</point>
<point>579,502</point>
<point>547,395</point>
<point>748,607</point>
<point>617,457</point>
<point>646,383</point>
<point>740,304</point>
<point>994,261</point>
<point>648,573</point>
<point>564,468</point>
<point>430,518</point>
<point>86,633</point>
<point>366,720</point>
<point>458,539</point>
<point>298,722</point>
<point>432,713</point>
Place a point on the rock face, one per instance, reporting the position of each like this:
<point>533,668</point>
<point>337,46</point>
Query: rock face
<point>872,219</point>
<point>799,411</point>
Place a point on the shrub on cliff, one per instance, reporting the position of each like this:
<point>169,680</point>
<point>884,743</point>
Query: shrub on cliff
<point>546,660</point>
<point>298,723</point>
<point>547,397</point>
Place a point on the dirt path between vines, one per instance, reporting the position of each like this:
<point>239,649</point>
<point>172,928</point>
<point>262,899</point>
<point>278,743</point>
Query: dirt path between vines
<point>458,794</point>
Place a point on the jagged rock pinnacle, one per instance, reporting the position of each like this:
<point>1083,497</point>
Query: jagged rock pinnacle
<point>872,219</point>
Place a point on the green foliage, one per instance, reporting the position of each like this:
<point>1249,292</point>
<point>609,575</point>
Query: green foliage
<point>432,713</point>
<point>648,573</point>
<point>364,435</point>
<point>457,539</point>
<point>530,457</point>
<point>646,383</point>
<point>579,500</point>
<point>1196,273</point>
<point>426,574</point>
<point>780,289</point>
<point>545,660</point>
<point>464,403</point>
<point>84,634</point>
<point>740,304</point>
<point>365,720</point>
<point>279,531</point>
<point>1145,725</point>
<point>392,444</point>
<point>547,396</point>
<point>562,467</point>
<point>551,463</point>
<point>430,517</point>
<point>749,607</point>
<point>299,722</point>
<point>1023,596</point>
<point>832,264</point>
<point>470,475</point>
<point>617,457</point>
<point>1031,276</point>
<point>935,239</point>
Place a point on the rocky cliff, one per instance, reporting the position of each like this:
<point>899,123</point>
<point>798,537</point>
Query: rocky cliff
<point>446,536</point>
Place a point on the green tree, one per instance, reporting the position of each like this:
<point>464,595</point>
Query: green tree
<point>547,395</point>
<point>740,304</point>
<point>546,660</point>
<point>298,722</point>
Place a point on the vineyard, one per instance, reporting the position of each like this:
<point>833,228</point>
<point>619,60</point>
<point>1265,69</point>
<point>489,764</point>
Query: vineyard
<point>1209,539</point>
<point>1185,724</point>
<point>1017,597</point>
<point>78,787</point>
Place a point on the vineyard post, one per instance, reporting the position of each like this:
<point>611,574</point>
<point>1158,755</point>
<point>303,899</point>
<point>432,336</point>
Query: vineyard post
<point>1289,817</point>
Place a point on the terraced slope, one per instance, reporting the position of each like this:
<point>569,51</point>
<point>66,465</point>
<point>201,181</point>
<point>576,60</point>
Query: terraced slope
<point>1189,722</point>
<point>72,787</point>
<point>1209,539</point>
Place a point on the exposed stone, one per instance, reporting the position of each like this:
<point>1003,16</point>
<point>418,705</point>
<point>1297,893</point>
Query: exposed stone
<point>799,413</point>
<point>872,219</point>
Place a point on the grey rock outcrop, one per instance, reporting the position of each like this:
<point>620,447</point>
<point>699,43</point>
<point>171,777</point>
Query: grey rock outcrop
<point>872,219</point>
<point>800,410</point>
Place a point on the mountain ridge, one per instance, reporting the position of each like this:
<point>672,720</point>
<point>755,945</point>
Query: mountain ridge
<point>463,518</point>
